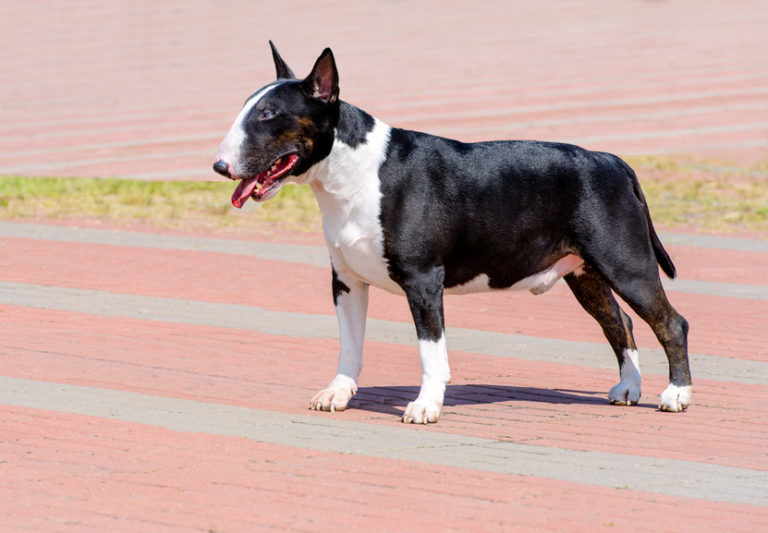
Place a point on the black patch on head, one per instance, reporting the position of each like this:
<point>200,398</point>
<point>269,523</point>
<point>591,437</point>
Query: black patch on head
<point>337,286</point>
<point>296,117</point>
<point>354,125</point>
<point>298,124</point>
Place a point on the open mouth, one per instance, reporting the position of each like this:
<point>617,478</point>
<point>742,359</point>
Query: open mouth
<point>264,185</point>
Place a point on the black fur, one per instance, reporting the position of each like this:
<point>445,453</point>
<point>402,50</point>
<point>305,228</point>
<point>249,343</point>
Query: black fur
<point>356,125</point>
<point>337,286</point>
<point>507,209</point>
<point>282,70</point>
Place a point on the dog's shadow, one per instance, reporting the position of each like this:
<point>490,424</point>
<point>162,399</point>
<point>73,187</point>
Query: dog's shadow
<point>393,400</point>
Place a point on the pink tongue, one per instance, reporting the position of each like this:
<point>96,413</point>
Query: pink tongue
<point>244,191</point>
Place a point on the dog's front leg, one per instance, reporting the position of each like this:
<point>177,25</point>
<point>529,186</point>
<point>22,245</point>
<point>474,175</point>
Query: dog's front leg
<point>425,297</point>
<point>350,297</point>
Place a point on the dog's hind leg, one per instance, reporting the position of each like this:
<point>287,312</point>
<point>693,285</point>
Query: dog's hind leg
<point>671,329</point>
<point>595,296</point>
<point>350,297</point>
<point>425,298</point>
<point>637,282</point>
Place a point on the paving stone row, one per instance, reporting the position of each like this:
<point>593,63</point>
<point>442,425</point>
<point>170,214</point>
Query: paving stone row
<point>122,347</point>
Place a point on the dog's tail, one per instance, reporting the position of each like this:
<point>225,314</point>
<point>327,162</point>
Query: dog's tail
<point>662,257</point>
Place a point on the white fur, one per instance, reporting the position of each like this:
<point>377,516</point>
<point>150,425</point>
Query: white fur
<point>436,373</point>
<point>346,185</point>
<point>676,398</point>
<point>477,284</point>
<point>628,390</point>
<point>230,147</point>
<point>351,308</point>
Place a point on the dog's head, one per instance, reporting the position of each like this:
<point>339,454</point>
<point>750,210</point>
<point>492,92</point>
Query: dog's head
<point>282,130</point>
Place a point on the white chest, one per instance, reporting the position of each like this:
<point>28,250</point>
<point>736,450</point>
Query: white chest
<point>358,249</point>
<point>346,185</point>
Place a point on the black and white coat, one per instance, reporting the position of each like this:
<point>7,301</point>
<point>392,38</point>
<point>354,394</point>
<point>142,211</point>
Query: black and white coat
<point>421,215</point>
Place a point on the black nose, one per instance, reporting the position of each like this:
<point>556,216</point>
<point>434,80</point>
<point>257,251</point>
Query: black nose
<point>221,167</point>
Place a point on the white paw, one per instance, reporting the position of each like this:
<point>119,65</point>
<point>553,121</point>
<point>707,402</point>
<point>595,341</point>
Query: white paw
<point>627,391</point>
<point>336,397</point>
<point>624,393</point>
<point>675,398</point>
<point>422,412</point>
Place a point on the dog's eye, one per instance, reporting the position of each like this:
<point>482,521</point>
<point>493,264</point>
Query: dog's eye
<point>267,114</point>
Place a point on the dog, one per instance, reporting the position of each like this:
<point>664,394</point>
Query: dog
<point>422,215</point>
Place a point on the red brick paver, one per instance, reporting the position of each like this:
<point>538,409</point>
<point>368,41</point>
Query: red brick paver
<point>147,89</point>
<point>513,399</point>
<point>547,404</point>
<point>238,280</point>
<point>105,475</point>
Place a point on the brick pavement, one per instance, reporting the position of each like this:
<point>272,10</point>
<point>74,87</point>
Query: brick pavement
<point>79,323</point>
<point>159,382</point>
<point>146,90</point>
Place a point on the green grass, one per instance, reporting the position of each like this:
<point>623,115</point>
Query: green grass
<point>681,192</point>
<point>170,204</point>
<point>711,196</point>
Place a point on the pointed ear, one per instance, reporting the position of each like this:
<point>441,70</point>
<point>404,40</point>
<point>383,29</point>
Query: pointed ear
<point>323,82</point>
<point>281,68</point>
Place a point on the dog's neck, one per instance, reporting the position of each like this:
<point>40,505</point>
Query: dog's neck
<point>350,171</point>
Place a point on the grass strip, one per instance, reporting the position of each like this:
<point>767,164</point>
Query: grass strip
<point>165,204</point>
<point>689,193</point>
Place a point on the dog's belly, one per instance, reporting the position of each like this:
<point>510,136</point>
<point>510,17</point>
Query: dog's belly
<point>365,260</point>
<point>537,283</point>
